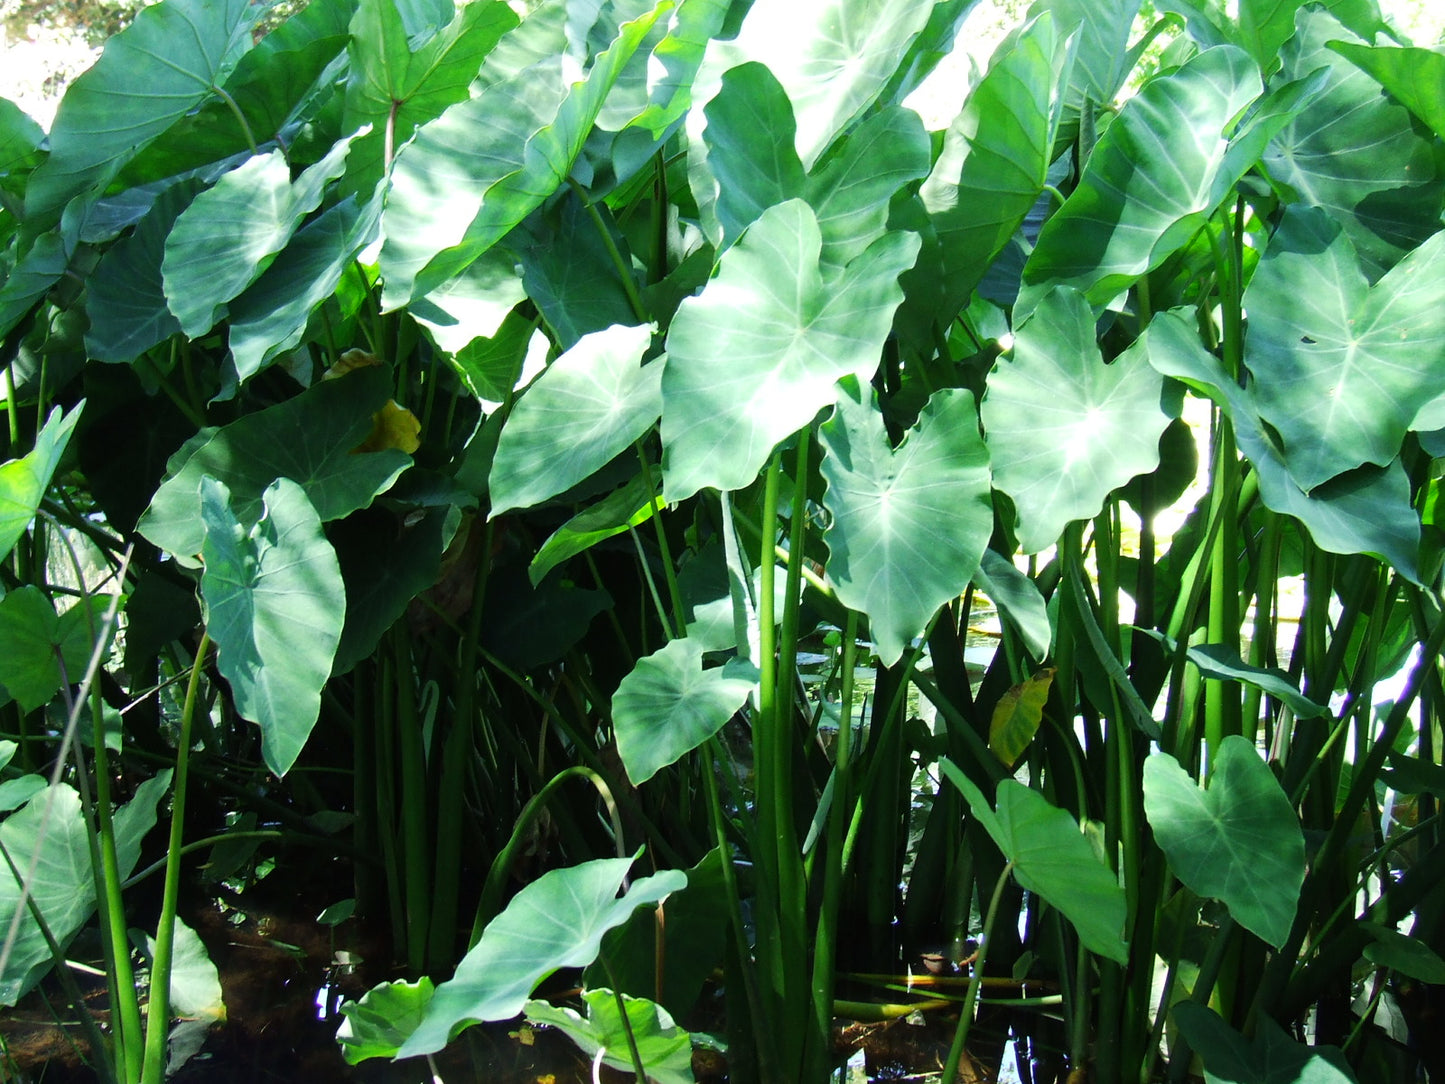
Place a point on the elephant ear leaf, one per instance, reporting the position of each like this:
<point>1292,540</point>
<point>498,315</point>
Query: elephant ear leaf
<point>153,73</point>
<point>1239,841</point>
<point>885,502</point>
<point>23,481</point>
<point>274,603</point>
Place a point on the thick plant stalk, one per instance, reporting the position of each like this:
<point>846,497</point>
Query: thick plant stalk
<point>826,942</point>
<point>158,1010</point>
<point>129,1034</point>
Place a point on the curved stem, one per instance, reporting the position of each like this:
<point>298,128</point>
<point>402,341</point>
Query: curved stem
<point>965,1017</point>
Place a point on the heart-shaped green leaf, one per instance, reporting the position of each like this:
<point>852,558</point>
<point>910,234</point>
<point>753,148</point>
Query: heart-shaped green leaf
<point>590,404</point>
<point>832,57</point>
<point>995,158</point>
<point>1412,76</point>
<point>1354,152</point>
<point>665,1049</point>
<point>63,886</point>
<point>1065,429</point>
<point>1345,374</point>
<point>270,317</point>
<point>750,139</point>
<point>377,1025</point>
<point>1271,1057</point>
<point>35,641</point>
<point>1051,857</point>
<point>126,297</point>
<point>151,75</point>
<point>274,603</point>
<point>23,481</point>
<point>556,921</point>
<point>231,232</point>
<point>276,87</point>
<point>1239,841</point>
<point>909,524</point>
<point>569,271</point>
<point>1156,174</point>
<point>394,85</point>
<point>487,162</point>
<point>669,705</point>
<point>1365,511</point>
<point>309,439</point>
<point>733,388</point>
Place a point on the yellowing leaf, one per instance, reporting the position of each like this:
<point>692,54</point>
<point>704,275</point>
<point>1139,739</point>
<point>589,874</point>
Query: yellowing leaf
<point>392,426</point>
<point>1017,715</point>
<point>352,359</point>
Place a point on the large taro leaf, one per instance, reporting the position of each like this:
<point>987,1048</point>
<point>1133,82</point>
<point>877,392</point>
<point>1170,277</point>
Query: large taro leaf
<point>1271,1057</point>
<point>486,163</point>
<point>1366,510</point>
<point>274,603</point>
<point>665,1049</point>
<point>569,271</point>
<point>308,439</point>
<point>909,524</point>
<point>995,158</point>
<point>275,87</point>
<point>475,306</point>
<point>23,481</point>
<point>850,189</point>
<point>377,1025</point>
<point>21,140</point>
<point>754,356</point>
<point>63,886</point>
<point>1239,841</point>
<point>1157,172</point>
<point>590,404</point>
<point>556,921</point>
<point>669,705</point>
<point>750,137</point>
<point>675,61</point>
<point>1052,857</point>
<point>1265,25</point>
<point>832,57</point>
<point>1413,77</point>
<point>270,316</point>
<point>1102,55</point>
<point>1356,152</point>
<point>231,232</point>
<point>395,85</point>
<point>31,279</point>
<point>151,75</point>
<point>39,649</point>
<point>126,297</point>
<point>1065,429</point>
<point>1342,369</point>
